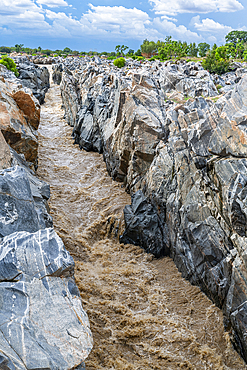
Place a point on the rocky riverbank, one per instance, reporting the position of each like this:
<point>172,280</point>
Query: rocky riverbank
<point>42,322</point>
<point>176,137</point>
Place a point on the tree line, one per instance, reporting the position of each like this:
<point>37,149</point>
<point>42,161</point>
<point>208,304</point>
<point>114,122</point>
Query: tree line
<point>216,58</point>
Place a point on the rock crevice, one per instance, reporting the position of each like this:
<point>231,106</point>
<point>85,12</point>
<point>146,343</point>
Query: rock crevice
<point>183,158</point>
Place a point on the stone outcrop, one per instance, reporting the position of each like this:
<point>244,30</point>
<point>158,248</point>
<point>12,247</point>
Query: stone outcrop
<point>42,322</point>
<point>184,163</point>
<point>19,116</point>
<point>43,325</point>
<point>33,77</point>
<point>22,202</point>
<point>57,70</point>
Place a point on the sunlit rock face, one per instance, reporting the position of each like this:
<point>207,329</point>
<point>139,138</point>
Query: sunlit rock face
<point>19,115</point>
<point>182,157</point>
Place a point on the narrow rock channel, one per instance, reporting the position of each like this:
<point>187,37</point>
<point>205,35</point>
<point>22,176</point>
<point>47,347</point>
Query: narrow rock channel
<point>143,315</point>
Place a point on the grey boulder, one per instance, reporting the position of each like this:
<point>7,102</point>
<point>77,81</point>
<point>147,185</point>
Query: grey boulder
<point>43,325</point>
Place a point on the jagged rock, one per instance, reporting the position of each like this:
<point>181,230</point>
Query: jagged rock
<point>57,73</point>
<point>15,129</point>
<point>70,98</point>
<point>21,202</point>
<point>33,77</point>
<point>184,164</point>
<point>143,226</point>
<point>5,156</point>
<point>19,115</point>
<point>43,325</point>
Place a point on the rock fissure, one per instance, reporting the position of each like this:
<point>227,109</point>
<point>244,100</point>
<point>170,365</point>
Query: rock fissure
<point>205,206</point>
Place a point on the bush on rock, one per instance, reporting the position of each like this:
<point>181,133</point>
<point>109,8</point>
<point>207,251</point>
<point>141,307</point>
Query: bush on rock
<point>217,61</point>
<point>119,62</point>
<point>10,65</point>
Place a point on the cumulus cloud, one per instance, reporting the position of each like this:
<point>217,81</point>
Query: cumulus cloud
<point>15,7</point>
<point>195,6</point>
<point>115,23</point>
<point>178,32</point>
<point>52,3</point>
<point>209,25</point>
<point>117,20</point>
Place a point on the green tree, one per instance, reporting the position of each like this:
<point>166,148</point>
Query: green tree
<point>5,49</point>
<point>148,48</point>
<point>217,61</point>
<point>231,49</point>
<point>117,48</point>
<point>192,49</point>
<point>67,50</point>
<point>203,47</point>
<point>236,37</point>
<point>120,49</point>
<point>138,53</point>
<point>18,47</point>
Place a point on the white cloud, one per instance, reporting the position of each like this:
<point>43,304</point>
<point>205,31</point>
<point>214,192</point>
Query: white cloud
<point>5,31</point>
<point>117,20</point>
<point>195,6</point>
<point>15,7</point>
<point>178,32</point>
<point>115,23</point>
<point>52,3</point>
<point>209,25</point>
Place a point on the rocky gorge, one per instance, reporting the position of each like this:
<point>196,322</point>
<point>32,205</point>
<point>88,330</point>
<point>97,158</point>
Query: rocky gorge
<point>178,144</point>
<point>173,136</point>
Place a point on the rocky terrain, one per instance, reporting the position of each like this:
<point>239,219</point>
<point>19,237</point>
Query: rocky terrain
<point>176,137</point>
<point>42,322</point>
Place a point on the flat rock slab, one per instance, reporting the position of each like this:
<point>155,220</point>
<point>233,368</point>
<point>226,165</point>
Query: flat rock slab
<point>42,323</point>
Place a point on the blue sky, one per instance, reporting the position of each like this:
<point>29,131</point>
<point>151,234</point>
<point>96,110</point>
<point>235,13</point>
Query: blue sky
<point>101,25</point>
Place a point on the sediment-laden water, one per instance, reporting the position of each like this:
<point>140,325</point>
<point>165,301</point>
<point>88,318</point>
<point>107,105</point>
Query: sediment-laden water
<point>143,315</point>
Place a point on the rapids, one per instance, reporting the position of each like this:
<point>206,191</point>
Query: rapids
<point>143,314</point>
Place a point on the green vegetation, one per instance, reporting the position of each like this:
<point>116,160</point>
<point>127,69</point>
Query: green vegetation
<point>148,48</point>
<point>203,48</point>
<point>216,59</point>
<point>10,64</point>
<point>119,62</point>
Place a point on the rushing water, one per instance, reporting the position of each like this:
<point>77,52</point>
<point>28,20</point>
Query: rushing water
<point>143,314</point>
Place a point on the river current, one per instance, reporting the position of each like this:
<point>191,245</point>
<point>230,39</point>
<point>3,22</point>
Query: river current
<point>143,314</point>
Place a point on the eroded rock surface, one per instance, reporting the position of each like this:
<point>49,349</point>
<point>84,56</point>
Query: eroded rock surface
<point>185,159</point>
<point>33,77</point>
<point>5,156</point>
<point>43,325</point>
<point>19,115</point>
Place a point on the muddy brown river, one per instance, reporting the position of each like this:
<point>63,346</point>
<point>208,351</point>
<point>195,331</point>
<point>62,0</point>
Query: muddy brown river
<point>143,314</point>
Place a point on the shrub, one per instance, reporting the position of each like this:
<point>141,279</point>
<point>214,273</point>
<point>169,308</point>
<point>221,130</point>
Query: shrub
<point>215,63</point>
<point>10,64</point>
<point>119,62</point>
